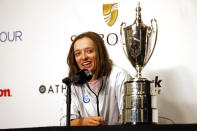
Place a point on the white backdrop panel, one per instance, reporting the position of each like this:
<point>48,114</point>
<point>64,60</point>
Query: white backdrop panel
<point>37,54</point>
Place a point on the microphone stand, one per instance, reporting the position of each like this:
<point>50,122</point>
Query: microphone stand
<point>68,100</point>
<point>82,77</point>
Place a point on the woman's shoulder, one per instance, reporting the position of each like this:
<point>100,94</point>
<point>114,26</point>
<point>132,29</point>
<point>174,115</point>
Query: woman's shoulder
<point>119,70</point>
<point>116,69</point>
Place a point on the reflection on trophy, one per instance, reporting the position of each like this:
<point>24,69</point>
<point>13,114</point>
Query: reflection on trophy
<point>140,97</point>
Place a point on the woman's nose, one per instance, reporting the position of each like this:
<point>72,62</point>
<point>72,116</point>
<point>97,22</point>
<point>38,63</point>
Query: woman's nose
<point>84,56</point>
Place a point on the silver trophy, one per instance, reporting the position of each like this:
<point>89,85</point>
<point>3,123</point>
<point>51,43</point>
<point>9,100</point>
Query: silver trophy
<point>140,96</point>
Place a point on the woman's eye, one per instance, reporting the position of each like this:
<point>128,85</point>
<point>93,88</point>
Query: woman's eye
<point>90,51</point>
<point>77,53</point>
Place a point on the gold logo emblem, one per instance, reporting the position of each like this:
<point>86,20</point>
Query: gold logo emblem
<point>110,11</point>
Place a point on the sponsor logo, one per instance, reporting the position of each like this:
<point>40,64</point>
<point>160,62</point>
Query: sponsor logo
<point>110,13</point>
<point>86,99</point>
<point>5,93</point>
<point>111,38</point>
<point>52,89</point>
<point>11,36</point>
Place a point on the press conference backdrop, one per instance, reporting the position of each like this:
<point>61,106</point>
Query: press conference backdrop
<point>35,36</point>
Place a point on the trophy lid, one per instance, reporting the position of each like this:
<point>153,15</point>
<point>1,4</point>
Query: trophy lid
<point>138,12</point>
<point>138,19</point>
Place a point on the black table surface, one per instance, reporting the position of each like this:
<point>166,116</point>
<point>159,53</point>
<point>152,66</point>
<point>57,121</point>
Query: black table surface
<point>148,127</point>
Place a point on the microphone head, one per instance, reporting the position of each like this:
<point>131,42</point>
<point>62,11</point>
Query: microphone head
<point>85,76</point>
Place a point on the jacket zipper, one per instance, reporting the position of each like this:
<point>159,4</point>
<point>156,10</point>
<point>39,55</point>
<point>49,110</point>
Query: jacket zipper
<point>97,103</point>
<point>97,97</point>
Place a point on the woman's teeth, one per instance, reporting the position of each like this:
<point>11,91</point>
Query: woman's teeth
<point>85,64</point>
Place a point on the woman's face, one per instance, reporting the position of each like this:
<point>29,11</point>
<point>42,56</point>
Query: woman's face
<point>85,54</point>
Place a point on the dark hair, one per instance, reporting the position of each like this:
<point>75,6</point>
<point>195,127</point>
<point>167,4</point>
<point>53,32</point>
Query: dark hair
<point>104,63</point>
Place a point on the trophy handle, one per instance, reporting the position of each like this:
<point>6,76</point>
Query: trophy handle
<point>152,30</point>
<point>122,26</point>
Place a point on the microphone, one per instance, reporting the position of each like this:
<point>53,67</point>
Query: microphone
<point>81,77</point>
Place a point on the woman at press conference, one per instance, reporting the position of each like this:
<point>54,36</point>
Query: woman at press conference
<point>99,101</point>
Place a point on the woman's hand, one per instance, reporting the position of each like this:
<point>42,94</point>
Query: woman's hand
<point>88,121</point>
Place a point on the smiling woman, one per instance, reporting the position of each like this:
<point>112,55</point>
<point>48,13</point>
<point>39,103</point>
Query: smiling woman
<point>85,54</point>
<point>89,45</point>
<point>99,101</point>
